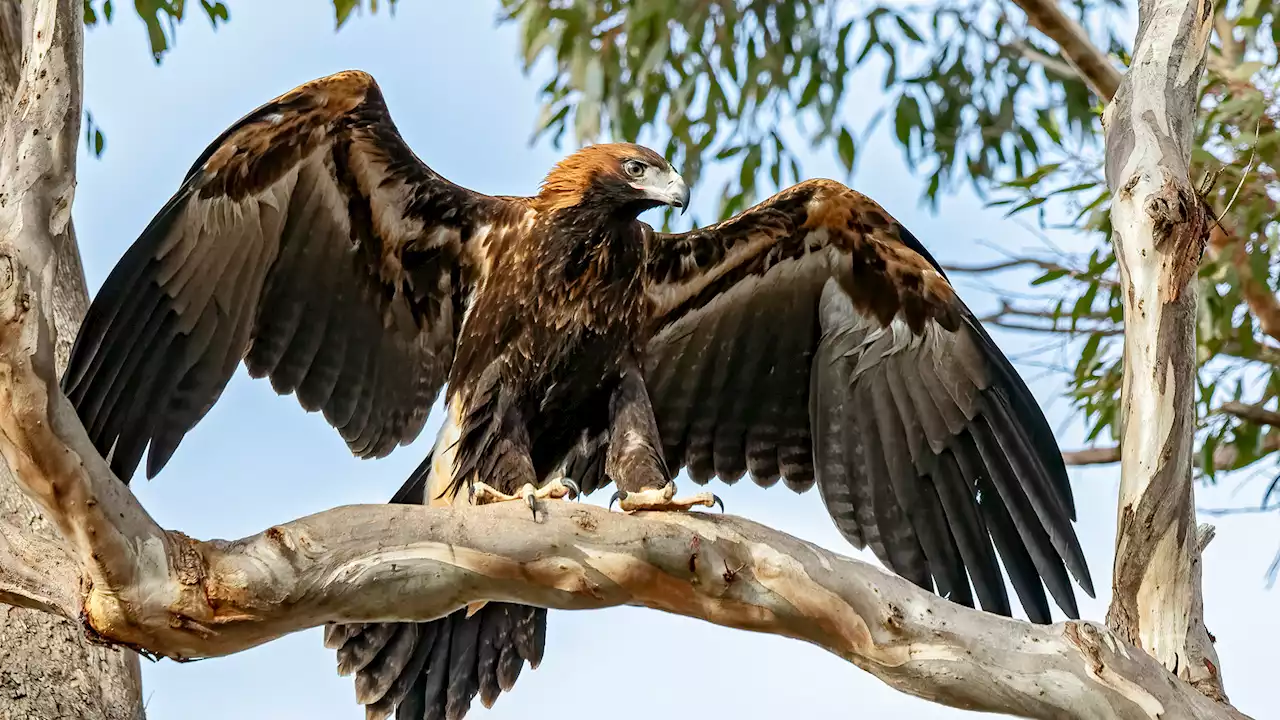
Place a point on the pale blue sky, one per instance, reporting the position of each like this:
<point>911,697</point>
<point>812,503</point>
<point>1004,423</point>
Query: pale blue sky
<point>454,87</point>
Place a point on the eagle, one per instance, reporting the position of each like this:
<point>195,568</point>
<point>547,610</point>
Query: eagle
<point>811,339</point>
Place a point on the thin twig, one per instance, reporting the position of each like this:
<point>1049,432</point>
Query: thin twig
<point>1058,67</point>
<point>1022,262</point>
<point>1252,413</point>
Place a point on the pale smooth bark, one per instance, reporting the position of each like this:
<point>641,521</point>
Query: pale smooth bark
<point>185,598</point>
<point>48,666</point>
<point>1160,227</point>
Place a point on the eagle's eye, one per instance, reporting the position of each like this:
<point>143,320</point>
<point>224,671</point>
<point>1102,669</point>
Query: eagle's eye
<point>634,168</point>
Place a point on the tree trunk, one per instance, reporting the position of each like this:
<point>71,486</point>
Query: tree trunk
<point>48,668</point>
<point>1160,229</point>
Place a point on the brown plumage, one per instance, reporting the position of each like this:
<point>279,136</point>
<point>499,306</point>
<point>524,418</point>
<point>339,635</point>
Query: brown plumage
<point>810,339</point>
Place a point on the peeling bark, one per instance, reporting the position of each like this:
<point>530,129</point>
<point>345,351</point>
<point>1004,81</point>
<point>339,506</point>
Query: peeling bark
<point>48,667</point>
<point>1160,227</point>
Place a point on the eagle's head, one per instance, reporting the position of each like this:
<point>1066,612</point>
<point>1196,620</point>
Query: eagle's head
<point>619,179</point>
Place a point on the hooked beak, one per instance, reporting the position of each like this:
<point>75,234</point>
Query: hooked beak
<point>669,189</point>
<point>678,193</point>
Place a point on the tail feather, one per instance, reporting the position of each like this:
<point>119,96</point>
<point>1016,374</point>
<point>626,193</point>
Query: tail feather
<point>433,670</point>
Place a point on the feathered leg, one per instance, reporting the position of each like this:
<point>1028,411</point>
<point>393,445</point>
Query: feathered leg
<point>504,462</point>
<point>485,447</point>
<point>634,461</point>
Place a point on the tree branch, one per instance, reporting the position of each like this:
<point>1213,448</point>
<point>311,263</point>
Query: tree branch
<point>1020,262</point>
<point>1224,458</point>
<point>1160,226</point>
<point>184,598</point>
<point>1252,413</point>
<point>1010,317</point>
<point>1092,456</point>
<point>1051,64</point>
<point>37,175</point>
<point>51,667</point>
<point>1000,318</point>
<point>1073,42</point>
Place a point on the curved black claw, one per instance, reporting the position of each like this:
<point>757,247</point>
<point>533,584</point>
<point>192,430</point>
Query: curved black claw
<point>575,492</point>
<point>718,501</point>
<point>616,497</point>
<point>532,501</point>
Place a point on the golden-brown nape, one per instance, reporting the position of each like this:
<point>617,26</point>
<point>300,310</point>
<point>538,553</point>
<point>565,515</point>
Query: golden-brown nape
<point>571,177</point>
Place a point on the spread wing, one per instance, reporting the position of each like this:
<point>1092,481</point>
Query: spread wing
<point>813,338</point>
<point>309,241</point>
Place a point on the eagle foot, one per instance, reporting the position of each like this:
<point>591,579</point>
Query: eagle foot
<point>663,498</point>
<point>482,494</point>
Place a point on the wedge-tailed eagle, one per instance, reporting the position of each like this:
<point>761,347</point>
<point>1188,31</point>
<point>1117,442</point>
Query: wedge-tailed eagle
<point>810,339</point>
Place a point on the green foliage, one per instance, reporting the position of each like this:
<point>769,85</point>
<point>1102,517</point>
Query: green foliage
<point>343,9</point>
<point>161,18</point>
<point>715,79</point>
<point>1236,152</point>
<point>93,137</point>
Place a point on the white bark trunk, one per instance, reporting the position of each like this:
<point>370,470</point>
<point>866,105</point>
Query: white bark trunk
<point>48,667</point>
<point>1159,229</point>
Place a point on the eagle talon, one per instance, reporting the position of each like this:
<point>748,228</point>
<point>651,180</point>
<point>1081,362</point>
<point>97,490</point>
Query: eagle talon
<point>530,499</point>
<point>482,494</point>
<point>575,492</point>
<point>663,498</point>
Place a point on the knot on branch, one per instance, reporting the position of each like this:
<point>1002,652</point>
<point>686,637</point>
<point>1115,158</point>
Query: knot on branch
<point>714,566</point>
<point>15,301</point>
<point>188,562</point>
<point>1089,639</point>
<point>1180,221</point>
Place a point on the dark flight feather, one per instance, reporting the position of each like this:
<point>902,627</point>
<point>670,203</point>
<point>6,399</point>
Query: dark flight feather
<point>925,444</point>
<point>292,244</point>
<point>485,652</point>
